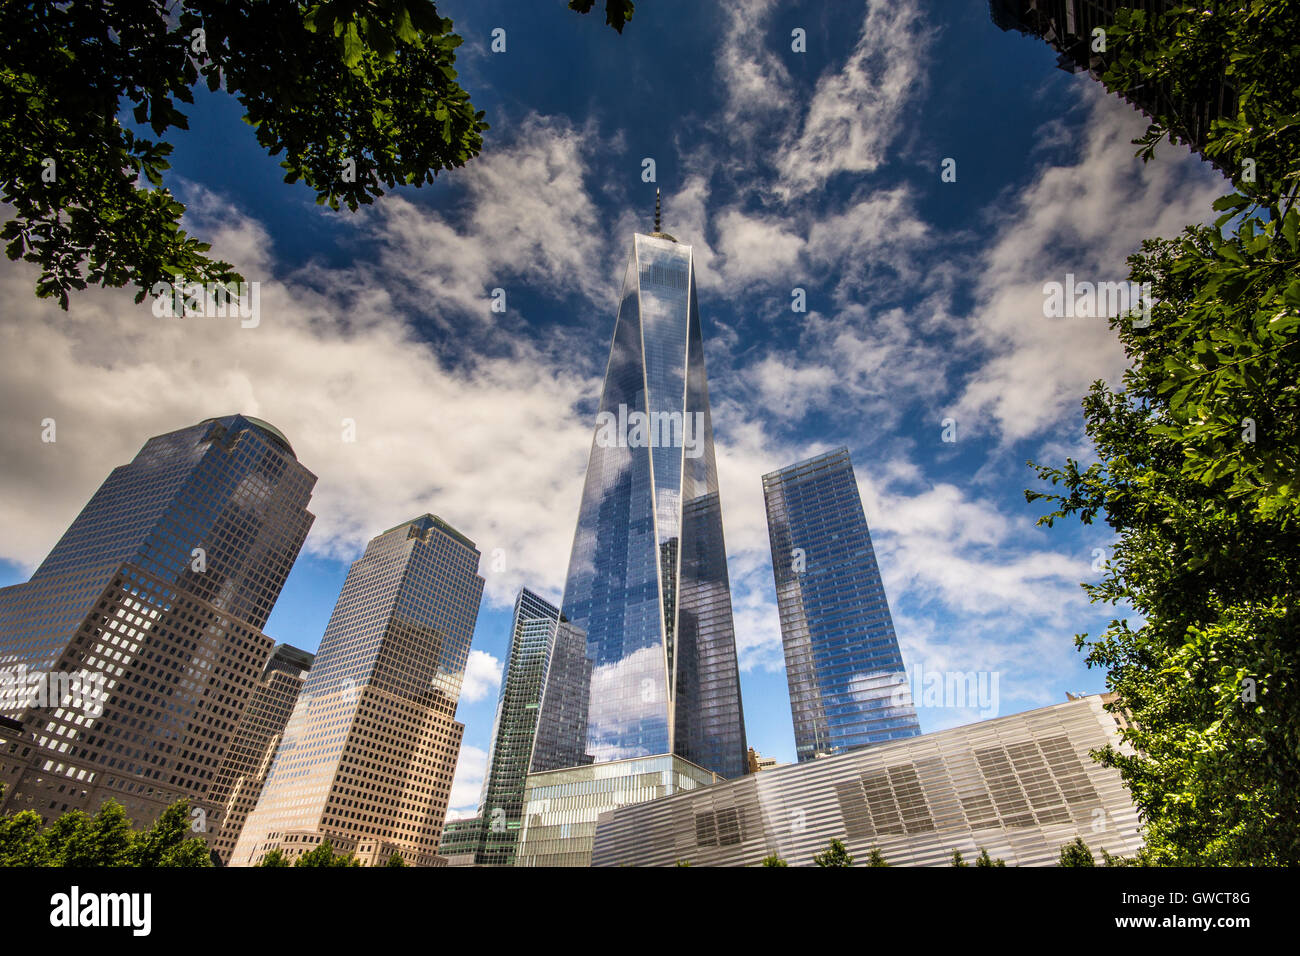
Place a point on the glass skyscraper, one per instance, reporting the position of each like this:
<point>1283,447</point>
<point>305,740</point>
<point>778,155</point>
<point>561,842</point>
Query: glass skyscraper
<point>532,637</point>
<point>561,738</point>
<point>642,695</point>
<point>848,688</point>
<point>368,755</point>
<point>154,597</point>
<point>647,581</point>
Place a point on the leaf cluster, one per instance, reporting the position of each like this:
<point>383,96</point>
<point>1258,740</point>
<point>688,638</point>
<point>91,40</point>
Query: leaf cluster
<point>106,839</point>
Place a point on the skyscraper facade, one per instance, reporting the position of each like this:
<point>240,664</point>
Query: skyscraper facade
<point>647,582</point>
<point>238,782</point>
<point>564,807</point>
<point>459,842</point>
<point>369,753</point>
<point>845,671</point>
<point>532,636</point>
<point>643,689</point>
<point>129,655</point>
<point>561,737</point>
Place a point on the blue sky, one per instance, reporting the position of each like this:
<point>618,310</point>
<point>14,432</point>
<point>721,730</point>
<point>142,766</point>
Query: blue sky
<point>817,170</point>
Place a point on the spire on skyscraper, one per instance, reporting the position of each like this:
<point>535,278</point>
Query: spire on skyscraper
<point>659,233</point>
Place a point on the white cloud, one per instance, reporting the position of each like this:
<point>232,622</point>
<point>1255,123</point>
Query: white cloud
<point>756,81</point>
<point>856,112</point>
<point>1083,218</point>
<point>881,235</point>
<point>757,249</point>
<point>482,676</point>
<point>467,784</point>
<point>788,387</point>
<point>758,625</point>
<point>845,124</point>
<point>530,220</point>
<point>331,345</point>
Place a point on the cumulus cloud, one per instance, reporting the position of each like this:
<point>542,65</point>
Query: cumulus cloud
<point>467,784</point>
<point>330,347</point>
<point>531,219</point>
<point>756,248</point>
<point>857,111</point>
<point>1082,217</point>
<point>482,676</point>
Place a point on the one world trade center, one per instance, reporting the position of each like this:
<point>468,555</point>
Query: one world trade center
<point>647,586</point>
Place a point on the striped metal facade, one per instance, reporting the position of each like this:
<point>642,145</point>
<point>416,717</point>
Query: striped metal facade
<point>1020,787</point>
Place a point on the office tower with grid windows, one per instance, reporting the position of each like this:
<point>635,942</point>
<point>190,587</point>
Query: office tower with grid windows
<point>129,655</point>
<point>459,841</point>
<point>848,688</point>
<point>367,758</point>
<point>561,737</point>
<point>647,584</point>
<point>238,783</point>
<point>532,638</point>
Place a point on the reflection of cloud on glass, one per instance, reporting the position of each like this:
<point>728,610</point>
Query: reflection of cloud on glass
<point>628,704</point>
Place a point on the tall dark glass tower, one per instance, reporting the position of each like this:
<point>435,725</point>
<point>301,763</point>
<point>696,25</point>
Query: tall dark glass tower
<point>532,637</point>
<point>561,738</point>
<point>156,595</point>
<point>647,580</point>
<point>847,684</point>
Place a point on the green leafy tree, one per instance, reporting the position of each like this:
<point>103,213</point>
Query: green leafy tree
<point>683,863</point>
<point>876,858</point>
<point>20,840</point>
<point>1108,860</point>
<point>395,860</point>
<point>985,860</point>
<point>357,96</point>
<point>617,12</point>
<point>1198,452</point>
<point>957,859</point>
<point>1189,52</point>
<point>773,860</point>
<point>76,839</point>
<point>274,858</point>
<point>106,839</point>
<point>1077,854</point>
<point>67,841</point>
<point>324,855</point>
<point>834,855</point>
<point>170,841</point>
